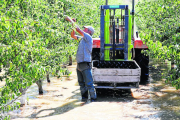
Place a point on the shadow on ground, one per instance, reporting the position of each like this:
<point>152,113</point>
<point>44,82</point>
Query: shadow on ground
<point>104,95</point>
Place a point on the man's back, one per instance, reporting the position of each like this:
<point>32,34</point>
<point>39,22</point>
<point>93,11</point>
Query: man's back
<point>84,49</point>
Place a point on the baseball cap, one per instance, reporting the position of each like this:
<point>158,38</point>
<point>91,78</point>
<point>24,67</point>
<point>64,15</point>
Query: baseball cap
<point>90,28</point>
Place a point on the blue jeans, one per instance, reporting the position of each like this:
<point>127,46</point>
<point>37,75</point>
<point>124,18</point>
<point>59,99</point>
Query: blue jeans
<point>85,81</point>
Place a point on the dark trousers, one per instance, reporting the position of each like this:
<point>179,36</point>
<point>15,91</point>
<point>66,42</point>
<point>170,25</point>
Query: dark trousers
<point>85,81</point>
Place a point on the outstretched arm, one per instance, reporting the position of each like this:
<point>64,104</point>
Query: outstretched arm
<point>76,27</point>
<point>73,35</point>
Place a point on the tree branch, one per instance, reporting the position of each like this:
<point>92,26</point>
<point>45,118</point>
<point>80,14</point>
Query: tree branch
<point>16,98</point>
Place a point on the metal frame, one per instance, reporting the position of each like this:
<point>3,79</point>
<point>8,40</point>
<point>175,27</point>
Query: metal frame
<point>103,8</point>
<point>115,74</point>
<point>115,87</point>
<point>126,35</point>
<point>102,35</point>
<point>114,7</point>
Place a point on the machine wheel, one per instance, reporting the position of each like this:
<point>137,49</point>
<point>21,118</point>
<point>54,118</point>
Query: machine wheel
<point>96,54</point>
<point>143,61</point>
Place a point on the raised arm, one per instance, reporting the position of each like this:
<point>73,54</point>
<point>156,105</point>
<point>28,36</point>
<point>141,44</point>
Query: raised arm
<point>81,32</point>
<point>73,35</point>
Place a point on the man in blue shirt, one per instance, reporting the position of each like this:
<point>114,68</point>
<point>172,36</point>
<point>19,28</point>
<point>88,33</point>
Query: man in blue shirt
<point>83,58</point>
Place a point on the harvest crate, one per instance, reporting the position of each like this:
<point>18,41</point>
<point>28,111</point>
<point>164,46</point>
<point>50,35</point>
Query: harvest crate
<point>116,76</point>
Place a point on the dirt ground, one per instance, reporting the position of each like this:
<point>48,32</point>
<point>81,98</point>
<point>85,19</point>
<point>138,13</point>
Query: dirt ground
<point>62,101</point>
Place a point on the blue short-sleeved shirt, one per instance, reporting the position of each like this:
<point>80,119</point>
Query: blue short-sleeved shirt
<point>84,49</point>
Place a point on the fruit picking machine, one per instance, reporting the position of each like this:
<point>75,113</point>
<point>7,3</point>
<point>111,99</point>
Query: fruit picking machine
<point>115,67</point>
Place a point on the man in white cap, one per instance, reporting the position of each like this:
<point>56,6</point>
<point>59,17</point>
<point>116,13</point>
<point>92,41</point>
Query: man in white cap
<point>83,58</point>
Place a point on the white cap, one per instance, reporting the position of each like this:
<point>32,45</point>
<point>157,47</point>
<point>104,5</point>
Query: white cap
<point>90,28</point>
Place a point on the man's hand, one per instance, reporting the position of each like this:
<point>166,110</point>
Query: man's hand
<point>69,19</point>
<point>74,19</point>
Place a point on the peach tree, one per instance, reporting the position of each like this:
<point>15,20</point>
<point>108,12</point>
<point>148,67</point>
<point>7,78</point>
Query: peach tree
<point>34,39</point>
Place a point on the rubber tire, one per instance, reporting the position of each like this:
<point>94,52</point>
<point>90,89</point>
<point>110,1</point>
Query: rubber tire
<point>143,61</point>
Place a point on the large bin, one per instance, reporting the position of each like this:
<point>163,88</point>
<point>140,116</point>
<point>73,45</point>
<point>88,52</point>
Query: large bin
<point>116,74</point>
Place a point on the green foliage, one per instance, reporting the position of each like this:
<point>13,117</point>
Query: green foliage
<point>159,25</point>
<point>35,38</point>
